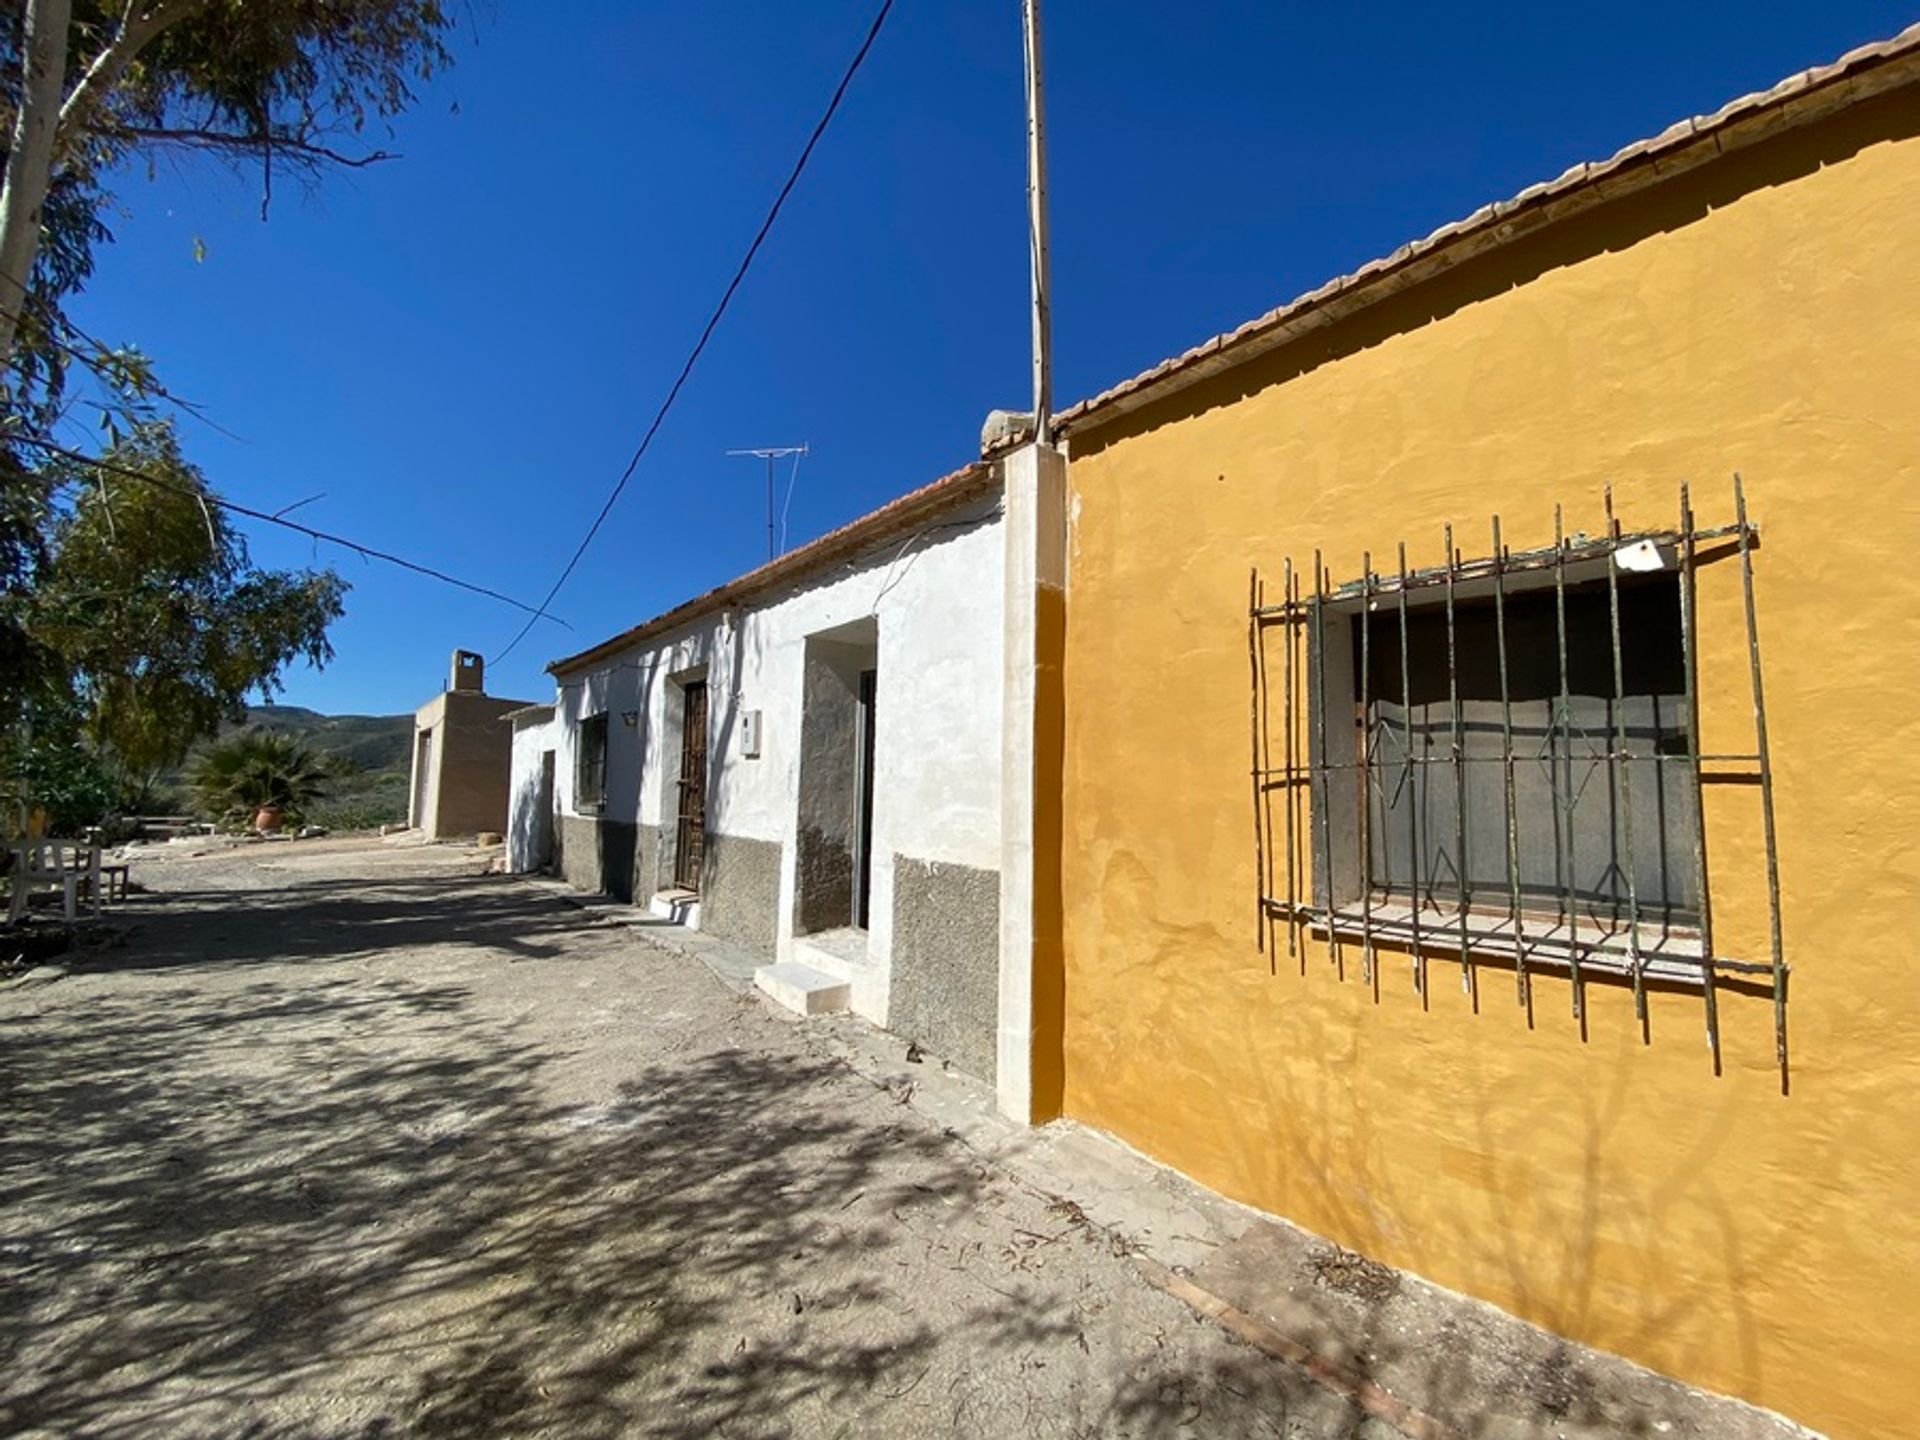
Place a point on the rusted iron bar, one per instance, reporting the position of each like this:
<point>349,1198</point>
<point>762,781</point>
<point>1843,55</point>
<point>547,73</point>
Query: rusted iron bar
<point>1317,647</point>
<point>1253,726</point>
<point>1506,762</point>
<point>1366,774</point>
<point>1413,798</point>
<point>1563,816</point>
<point>1288,589</point>
<point>1266,765</point>
<point>1766,781</point>
<point>1571,551</point>
<point>1742,759</point>
<point>1458,751</point>
<point>1619,769</point>
<point>1689,666</point>
<point>1611,959</point>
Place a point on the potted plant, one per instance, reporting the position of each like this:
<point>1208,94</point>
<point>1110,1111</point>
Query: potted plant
<point>259,778</point>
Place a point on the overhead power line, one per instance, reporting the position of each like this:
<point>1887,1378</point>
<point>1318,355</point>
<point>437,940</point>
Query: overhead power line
<point>726,298</point>
<point>94,462</point>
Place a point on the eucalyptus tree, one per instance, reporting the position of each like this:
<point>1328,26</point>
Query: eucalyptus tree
<point>94,83</point>
<point>89,89</point>
<point>158,621</point>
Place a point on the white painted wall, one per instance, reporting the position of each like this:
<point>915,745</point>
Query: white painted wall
<point>530,741</point>
<point>937,598</point>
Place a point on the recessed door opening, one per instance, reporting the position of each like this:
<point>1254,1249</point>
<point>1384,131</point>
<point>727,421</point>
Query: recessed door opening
<point>833,832</point>
<point>690,830</point>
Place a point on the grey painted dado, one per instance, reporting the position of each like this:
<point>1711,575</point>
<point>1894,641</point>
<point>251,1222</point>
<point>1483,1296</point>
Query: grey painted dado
<point>598,855</point>
<point>740,891</point>
<point>646,863</point>
<point>946,961</point>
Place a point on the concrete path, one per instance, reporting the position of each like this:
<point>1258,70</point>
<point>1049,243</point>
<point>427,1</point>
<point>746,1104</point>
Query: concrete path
<point>346,1140</point>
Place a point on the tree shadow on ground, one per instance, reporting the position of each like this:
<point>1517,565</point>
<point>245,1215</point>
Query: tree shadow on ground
<point>332,920</point>
<point>313,1203</point>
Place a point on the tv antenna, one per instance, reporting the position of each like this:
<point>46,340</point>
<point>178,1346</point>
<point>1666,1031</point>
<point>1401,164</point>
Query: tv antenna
<point>770,454</point>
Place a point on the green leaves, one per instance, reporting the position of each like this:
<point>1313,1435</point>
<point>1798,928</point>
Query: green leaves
<point>256,769</point>
<point>151,605</point>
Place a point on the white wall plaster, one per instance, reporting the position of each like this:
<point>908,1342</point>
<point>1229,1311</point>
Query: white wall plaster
<point>937,599</point>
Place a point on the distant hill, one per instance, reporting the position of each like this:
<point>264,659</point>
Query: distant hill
<point>371,742</point>
<point>370,754</point>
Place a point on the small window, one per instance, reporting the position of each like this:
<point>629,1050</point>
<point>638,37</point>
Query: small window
<point>1497,760</point>
<point>590,764</point>
<point>1605,811</point>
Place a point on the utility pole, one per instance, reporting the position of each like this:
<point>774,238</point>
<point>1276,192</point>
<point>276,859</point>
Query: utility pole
<point>771,453</point>
<point>1037,233</point>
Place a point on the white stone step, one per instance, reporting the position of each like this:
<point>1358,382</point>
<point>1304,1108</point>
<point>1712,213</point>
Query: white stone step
<point>803,989</point>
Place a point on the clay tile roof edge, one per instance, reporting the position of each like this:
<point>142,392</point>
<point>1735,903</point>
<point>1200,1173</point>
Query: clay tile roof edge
<point>849,540</point>
<point>1859,74</point>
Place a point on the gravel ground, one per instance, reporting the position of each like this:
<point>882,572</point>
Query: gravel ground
<point>347,1139</point>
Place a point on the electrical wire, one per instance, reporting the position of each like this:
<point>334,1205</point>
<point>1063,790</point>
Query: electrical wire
<point>94,462</point>
<point>726,298</point>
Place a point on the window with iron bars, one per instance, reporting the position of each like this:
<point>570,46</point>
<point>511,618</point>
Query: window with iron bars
<point>1498,759</point>
<point>590,764</point>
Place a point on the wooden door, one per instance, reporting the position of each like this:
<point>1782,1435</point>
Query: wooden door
<point>690,838</point>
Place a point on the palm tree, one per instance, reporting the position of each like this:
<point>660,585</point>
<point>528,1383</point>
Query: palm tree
<point>258,770</point>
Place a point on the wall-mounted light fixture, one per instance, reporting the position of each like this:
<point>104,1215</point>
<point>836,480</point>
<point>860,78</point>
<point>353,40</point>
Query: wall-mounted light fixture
<point>630,719</point>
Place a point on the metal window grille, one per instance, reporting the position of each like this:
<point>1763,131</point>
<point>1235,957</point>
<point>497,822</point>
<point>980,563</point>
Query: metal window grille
<point>590,765</point>
<point>1497,760</point>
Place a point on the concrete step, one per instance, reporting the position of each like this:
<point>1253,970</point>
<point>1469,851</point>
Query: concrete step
<point>838,952</point>
<point>803,989</point>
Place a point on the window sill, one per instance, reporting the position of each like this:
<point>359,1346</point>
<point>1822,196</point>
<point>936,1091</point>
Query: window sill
<point>1672,955</point>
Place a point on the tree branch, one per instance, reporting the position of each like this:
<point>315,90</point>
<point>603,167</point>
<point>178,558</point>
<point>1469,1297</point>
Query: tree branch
<point>138,26</point>
<point>228,141</point>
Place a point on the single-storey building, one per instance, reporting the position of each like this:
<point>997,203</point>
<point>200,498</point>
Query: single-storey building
<point>814,761</point>
<point>461,749</point>
<point>1489,753</point>
<point>1454,812</point>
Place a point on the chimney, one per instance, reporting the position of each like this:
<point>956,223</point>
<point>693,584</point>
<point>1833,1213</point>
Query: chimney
<point>469,672</point>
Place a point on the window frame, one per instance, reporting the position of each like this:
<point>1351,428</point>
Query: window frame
<point>1315,842</point>
<point>589,755</point>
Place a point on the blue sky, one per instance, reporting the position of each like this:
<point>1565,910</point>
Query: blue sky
<point>462,348</point>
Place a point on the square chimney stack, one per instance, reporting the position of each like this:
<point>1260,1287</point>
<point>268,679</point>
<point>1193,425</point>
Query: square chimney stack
<point>469,672</point>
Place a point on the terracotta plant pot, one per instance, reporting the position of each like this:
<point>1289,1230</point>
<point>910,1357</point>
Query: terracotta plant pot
<point>267,819</point>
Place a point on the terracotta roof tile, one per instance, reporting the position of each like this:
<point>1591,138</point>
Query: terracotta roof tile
<point>850,539</point>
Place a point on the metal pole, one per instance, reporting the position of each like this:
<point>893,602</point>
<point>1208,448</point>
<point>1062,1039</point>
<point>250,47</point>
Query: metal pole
<point>771,454</point>
<point>1037,233</point>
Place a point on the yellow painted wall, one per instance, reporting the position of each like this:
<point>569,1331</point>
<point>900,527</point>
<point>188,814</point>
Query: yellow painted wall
<point>1764,316</point>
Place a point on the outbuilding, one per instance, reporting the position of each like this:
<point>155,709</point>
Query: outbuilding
<point>460,756</point>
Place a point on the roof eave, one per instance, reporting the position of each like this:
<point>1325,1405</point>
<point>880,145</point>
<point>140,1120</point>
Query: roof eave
<point>910,509</point>
<point>1798,100</point>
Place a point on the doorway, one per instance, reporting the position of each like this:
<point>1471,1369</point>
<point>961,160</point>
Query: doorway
<point>863,836</point>
<point>690,831</point>
<point>834,820</point>
<point>543,813</point>
<point>422,777</point>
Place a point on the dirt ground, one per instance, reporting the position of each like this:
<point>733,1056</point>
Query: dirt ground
<point>349,1140</point>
